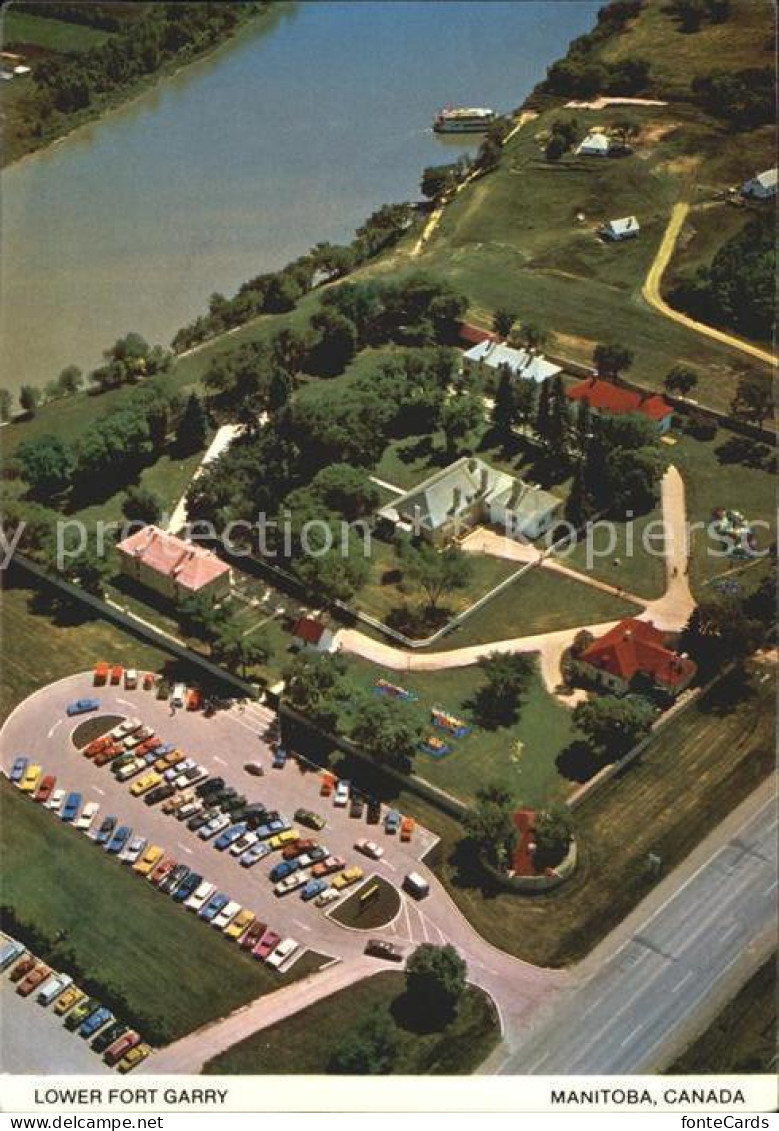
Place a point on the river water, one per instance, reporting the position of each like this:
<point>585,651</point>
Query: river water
<point>291,134</point>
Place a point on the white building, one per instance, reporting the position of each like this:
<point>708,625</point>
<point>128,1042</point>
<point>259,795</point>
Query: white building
<point>595,144</point>
<point>762,186</point>
<point>625,229</point>
<point>529,364</point>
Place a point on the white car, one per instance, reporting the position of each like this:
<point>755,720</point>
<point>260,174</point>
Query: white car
<point>283,951</point>
<point>189,808</point>
<point>243,842</point>
<point>369,848</point>
<point>133,850</point>
<point>125,728</point>
<point>329,895</point>
<point>341,796</point>
<point>55,801</point>
<point>88,814</point>
<point>217,825</point>
<point>226,915</point>
<point>179,695</point>
<point>138,737</point>
<point>289,883</point>
<point>175,771</point>
<point>130,769</point>
<point>131,679</point>
<point>200,896</point>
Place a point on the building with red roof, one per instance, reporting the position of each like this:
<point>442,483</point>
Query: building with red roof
<point>473,335</point>
<point>172,567</point>
<point>314,634</point>
<point>633,647</point>
<point>604,396</point>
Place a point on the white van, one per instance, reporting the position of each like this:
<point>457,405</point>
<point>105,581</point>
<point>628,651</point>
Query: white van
<point>416,885</point>
<point>53,987</point>
<point>178,698</point>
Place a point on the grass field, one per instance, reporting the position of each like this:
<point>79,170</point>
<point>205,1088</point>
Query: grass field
<point>743,1037</point>
<point>374,913</point>
<point>696,771</point>
<point>21,30</point>
<point>520,756</point>
<point>57,881</point>
<point>314,1034</point>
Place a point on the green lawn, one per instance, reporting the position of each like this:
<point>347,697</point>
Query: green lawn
<point>520,757</point>
<point>55,880</point>
<point>21,29</point>
<point>312,1035</point>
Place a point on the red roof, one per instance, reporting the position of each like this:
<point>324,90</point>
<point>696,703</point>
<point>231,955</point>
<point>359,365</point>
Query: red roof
<point>191,566</point>
<point>311,631</point>
<point>637,646</point>
<point>474,334</point>
<point>606,397</point>
<point>522,864</point>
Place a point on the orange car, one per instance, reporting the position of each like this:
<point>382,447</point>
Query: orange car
<point>328,781</point>
<point>45,789</point>
<point>23,968</point>
<point>97,745</point>
<point>407,828</point>
<point>194,700</point>
<point>33,979</point>
<point>149,680</point>
<point>101,673</point>
<point>116,673</point>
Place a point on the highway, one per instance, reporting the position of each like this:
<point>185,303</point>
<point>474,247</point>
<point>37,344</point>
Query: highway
<point>661,985</point>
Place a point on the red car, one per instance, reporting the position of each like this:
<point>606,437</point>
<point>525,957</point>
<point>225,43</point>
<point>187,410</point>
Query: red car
<point>107,754</point>
<point>115,1052</point>
<point>328,866</point>
<point>116,673</point>
<point>149,745</point>
<point>269,941</point>
<point>252,936</point>
<point>148,681</point>
<point>162,870</point>
<point>97,745</point>
<point>45,789</point>
<point>297,848</point>
<point>23,968</point>
<point>33,979</point>
<point>407,828</point>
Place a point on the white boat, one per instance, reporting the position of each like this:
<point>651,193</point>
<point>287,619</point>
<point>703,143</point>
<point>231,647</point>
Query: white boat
<point>463,119</point>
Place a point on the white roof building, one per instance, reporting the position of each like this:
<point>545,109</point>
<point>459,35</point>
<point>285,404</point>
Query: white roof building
<point>762,185</point>
<point>626,228</point>
<point>527,364</point>
<point>595,144</point>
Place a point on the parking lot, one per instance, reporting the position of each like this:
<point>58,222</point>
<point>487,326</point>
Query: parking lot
<point>33,1040</point>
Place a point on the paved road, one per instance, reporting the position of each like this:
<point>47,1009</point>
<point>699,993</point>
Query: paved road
<point>33,1039</point>
<point>220,443</point>
<point>639,1005</point>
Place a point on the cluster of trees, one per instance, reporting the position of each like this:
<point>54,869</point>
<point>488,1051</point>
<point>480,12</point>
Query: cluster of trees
<point>218,627</point>
<point>693,14</point>
<point>737,290</point>
<point>491,829</point>
<point>438,180</point>
<point>581,74</point>
<point>107,17</point>
<point>276,292</point>
<point>753,399</point>
<point>563,136</point>
<point>727,626</point>
<point>745,99</point>
<point>506,679</point>
<point>66,83</point>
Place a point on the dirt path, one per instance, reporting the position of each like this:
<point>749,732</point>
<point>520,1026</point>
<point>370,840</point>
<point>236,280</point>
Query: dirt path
<point>220,443</point>
<point>651,291</point>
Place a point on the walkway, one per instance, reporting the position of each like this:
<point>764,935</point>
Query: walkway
<point>220,443</point>
<point>651,291</point>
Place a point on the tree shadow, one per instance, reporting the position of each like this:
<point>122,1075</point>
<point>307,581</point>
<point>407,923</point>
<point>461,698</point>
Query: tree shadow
<point>577,762</point>
<point>417,1015</point>
<point>729,694</point>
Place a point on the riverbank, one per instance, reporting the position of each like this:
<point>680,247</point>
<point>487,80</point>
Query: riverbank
<point>17,150</point>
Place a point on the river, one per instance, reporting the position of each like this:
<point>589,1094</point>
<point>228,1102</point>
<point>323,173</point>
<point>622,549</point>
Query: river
<point>291,134</point>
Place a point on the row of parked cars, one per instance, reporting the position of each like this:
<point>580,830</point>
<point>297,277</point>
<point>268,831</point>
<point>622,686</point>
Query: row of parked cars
<point>120,1046</point>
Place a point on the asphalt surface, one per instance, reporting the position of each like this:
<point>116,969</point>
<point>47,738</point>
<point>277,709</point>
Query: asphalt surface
<point>34,1040</point>
<point>632,1014</point>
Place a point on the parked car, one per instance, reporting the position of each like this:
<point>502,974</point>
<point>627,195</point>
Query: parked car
<point>191,777</point>
<point>95,1021</point>
<point>254,815</point>
<point>29,780</point>
<point>149,860</point>
<point>268,943</point>
<point>378,948</point>
<point>108,754</point>
<point>67,1000</point>
<point>289,883</point>
<point>279,758</point>
<point>369,848</point>
<point>175,801</point>
<point>204,817</point>
<point>134,741</point>
<point>310,819</point>
<point>356,805</point>
<point>173,879</point>
<point>18,770</point>
<point>119,839</point>
<point>145,783</point>
<point>110,1034</point>
<point>56,800</point>
<point>134,850</point>
<point>36,977</point>
<point>45,788</point>
<point>392,822</point>
<point>416,885</point>
<point>175,771</point>
<point>330,895</point>
<point>327,866</point>
<point>272,827</point>
<point>83,1010</point>
<point>225,916</point>
<point>225,794</point>
<point>187,887</point>
<point>82,706</point>
<point>23,968</point>
<point>244,842</point>
<point>125,728</point>
<point>313,888</point>
<point>159,793</point>
<point>96,745</point>
<point>214,827</point>
<point>297,847</point>
<point>229,836</point>
<point>326,788</point>
<point>373,816</point>
<point>282,953</point>
<point>285,836</point>
<point>189,809</point>
<point>162,871</point>
<point>347,878</point>
<point>119,1049</point>
<point>213,906</point>
<point>210,787</point>
<point>105,831</point>
<point>255,769</point>
<point>178,695</point>
<point>71,807</point>
<point>341,794</point>
<point>134,1057</point>
<point>168,758</point>
<point>149,680</point>
<point>249,940</point>
<point>131,679</point>
<point>239,924</point>
<point>9,952</point>
<point>116,673</point>
<point>254,854</point>
<point>316,854</point>
<point>129,769</point>
<point>51,989</point>
<point>283,869</point>
<point>407,828</point>
<point>200,896</point>
<point>88,814</point>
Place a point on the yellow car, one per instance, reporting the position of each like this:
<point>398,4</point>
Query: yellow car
<point>133,1058</point>
<point>345,879</point>
<point>145,783</point>
<point>149,861</point>
<point>167,761</point>
<point>280,839</point>
<point>30,779</point>
<point>70,997</point>
<point>240,923</point>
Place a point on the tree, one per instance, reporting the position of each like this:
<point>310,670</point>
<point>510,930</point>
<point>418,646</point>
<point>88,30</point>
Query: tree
<point>192,430</point>
<point>437,179</point>
<point>436,572</point>
<point>754,396</point>
<point>718,631</point>
<point>503,408</point>
<point>503,321</point>
<point>613,726</point>
<point>6,403</point>
<point>626,129</point>
<point>201,618</point>
<point>369,1050</point>
<point>490,825</point>
<point>141,505</point>
<point>533,336</point>
<point>29,399</point>
<point>87,570</point>
<point>436,980</point>
<point>232,646</point>
<point>337,343</point>
<point>346,490</point>
<point>612,359</point>
<point>507,676</point>
<point>552,834</point>
<point>388,730</point>
<point>680,380</point>
<point>556,146</point>
<point>633,479</point>
<point>315,686</point>
<point>70,380</point>
<point>460,415</point>
<point>47,464</point>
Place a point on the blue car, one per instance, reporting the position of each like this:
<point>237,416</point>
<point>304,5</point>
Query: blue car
<point>278,825</point>
<point>95,1021</point>
<point>71,807</point>
<point>81,706</point>
<point>119,839</point>
<point>254,854</point>
<point>187,886</point>
<point>392,821</point>
<point>313,888</point>
<point>17,770</point>
<point>214,906</point>
<point>105,832</point>
<point>230,836</point>
<point>284,869</point>
<point>279,758</point>
<point>166,748</point>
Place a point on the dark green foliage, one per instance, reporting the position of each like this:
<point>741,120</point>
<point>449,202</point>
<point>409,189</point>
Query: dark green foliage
<point>681,379</point>
<point>388,730</point>
<point>29,399</point>
<point>613,726</point>
<point>490,825</point>
<point>612,359</point>
<point>435,981</point>
<point>435,572</point>
<point>507,676</point>
<point>754,396</point>
<point>552,834</point>
<point>745,99</point>
<point>370,1050</point>
<point>315,686</point>
<point>47,464</point>
<point>192,428</point>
